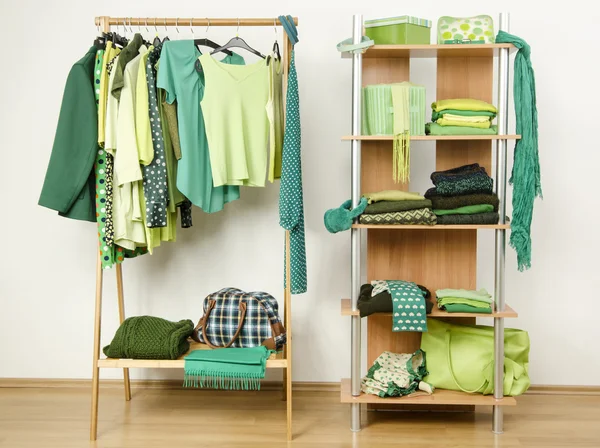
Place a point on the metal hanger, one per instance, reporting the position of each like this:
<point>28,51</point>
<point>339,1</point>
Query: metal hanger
<point>238,42</point>
<point>206,42</point>
<point>166,38</point>
<point>156,42</point>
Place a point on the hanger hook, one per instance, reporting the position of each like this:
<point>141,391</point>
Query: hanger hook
<point>146,25</point>
<point>139,21</point>
<point>130,27</point>
<point>237,31</point>
<point>208,20</point>
<point>192,26</point>
<point>177,24</point>
<point>275,28</point>
<point>165,20</point>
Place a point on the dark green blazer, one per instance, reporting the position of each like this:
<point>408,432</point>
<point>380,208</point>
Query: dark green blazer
<point>69,186</point>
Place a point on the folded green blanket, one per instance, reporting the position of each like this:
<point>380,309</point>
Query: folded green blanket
<point>396,206</point>
<point>459,308</point>
<point>462,301</point>
<point>148,337</point>
<point>445,122</point>
<point>451,202</point>
<point>466,210</point>
<point>463,104</point>
<point>226,368</point>
<point>482,295</point>
<point>479,218</point>
<point>382,302</point>
<point>436,129</point>
<point>392,195</point>
<point>409,217</point>
<point>464,113</point>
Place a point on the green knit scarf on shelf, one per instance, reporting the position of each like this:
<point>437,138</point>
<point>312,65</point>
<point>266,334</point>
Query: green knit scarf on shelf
<point>401,102</point>
<point>525,178</point>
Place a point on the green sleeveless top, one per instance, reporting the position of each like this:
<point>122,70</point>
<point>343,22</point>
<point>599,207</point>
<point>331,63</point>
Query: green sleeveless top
<point>235,117</point>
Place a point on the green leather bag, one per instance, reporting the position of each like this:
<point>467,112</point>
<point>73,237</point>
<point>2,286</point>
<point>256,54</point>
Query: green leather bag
<point>461,357</point>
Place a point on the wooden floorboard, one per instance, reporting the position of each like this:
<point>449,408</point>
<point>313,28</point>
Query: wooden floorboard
<point>59,418</point>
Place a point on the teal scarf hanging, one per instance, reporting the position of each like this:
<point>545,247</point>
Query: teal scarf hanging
<point>525,178</point>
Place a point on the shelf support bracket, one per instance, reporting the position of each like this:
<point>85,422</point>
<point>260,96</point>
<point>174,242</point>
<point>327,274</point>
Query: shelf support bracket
<point>355,233</point>
<point>501,163</point>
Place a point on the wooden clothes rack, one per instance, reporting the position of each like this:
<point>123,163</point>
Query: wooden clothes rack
<point>277,361</point>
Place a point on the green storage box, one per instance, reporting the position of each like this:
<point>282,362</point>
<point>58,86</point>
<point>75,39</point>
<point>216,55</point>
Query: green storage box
<point>378,110</point>
<point>399,30</point>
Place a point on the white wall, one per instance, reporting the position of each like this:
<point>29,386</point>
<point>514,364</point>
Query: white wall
<point>47,275</point>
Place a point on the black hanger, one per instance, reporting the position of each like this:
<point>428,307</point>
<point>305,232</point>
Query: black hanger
<point>209,43</point>
<point>238,42</point>
<point>276,53</point>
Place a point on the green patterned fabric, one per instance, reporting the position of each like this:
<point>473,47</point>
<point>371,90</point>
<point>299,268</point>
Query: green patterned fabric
<point>409,217</point>
<point>409,308</point>
<point>149,337</point>
<point>396,375</point>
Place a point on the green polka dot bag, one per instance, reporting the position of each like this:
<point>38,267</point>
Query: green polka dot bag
<point>466,30</point>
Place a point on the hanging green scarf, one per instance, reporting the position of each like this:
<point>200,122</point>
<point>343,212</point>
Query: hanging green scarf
<point>226,368</point>
<point>401,102</point>
<point>525,178</point>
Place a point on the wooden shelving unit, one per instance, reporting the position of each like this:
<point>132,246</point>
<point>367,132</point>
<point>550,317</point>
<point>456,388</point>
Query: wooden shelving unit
<point>440,256</point>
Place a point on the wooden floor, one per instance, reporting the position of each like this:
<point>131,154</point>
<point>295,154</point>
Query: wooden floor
<point>59,418</point>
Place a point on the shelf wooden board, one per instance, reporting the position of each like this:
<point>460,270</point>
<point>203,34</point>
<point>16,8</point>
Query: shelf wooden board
<point>435,312</point>
<point>276,361</point>
<point>432,137</point>
<point>439,397</point>
<point>436,227</point>
<point>432,51</point>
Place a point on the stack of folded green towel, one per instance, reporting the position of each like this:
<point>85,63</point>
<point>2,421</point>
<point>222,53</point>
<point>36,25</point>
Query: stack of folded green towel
<point>397,207</point>
<point>463,195</point>
<point>464,301</point>
<point>462,116</point>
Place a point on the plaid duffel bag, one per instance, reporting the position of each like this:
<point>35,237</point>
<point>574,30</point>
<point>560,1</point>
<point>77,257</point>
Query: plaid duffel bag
<point>234,318</point>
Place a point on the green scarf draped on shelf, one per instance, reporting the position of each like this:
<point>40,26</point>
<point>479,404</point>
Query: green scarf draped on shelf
<point>526,178</point>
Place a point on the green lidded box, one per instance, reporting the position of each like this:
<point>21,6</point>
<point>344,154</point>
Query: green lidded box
<point>399,30</point>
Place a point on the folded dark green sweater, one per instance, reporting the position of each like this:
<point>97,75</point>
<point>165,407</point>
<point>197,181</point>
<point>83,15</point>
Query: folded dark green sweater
<point>452,202</point>
<point>382,302</point>
<point>148,337</point>
<point>479,218</point>
<point>396,206</point>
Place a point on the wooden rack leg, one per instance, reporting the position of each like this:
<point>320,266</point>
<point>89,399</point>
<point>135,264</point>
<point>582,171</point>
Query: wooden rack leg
<point>96,370</point>
<point>119,272</point>
<point>288,324</point>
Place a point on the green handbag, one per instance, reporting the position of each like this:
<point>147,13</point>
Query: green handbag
<point>461,357</point>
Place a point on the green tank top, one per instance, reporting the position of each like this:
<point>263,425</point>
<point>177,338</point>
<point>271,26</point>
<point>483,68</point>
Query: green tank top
<point>235,117</point>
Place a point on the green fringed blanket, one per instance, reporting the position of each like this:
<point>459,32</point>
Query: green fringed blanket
<point>410,217</point>
<point>396,206</point>
<point>226,368</point>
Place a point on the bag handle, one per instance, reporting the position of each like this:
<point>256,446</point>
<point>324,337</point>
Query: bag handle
<point>204,323</point>
<point>449,360</point>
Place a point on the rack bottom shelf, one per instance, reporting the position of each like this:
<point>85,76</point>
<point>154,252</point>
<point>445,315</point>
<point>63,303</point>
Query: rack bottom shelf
<point>276,361</point>
<point>439,397</point>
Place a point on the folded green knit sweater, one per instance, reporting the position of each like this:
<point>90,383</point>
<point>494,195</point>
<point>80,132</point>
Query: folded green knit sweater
<point>466,210</point>
<point>451,202</point>
<point>479,218</point>
<point>148,337</point>
<point>396,206</point>
<point>409,217</point>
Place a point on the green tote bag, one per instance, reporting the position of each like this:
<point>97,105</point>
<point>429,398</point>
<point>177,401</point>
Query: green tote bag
<point>461,357</point>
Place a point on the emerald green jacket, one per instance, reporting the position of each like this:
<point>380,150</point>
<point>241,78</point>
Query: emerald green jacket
<point>69,186</point>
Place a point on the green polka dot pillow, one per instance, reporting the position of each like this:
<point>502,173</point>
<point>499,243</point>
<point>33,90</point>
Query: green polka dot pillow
<point>455,30</point>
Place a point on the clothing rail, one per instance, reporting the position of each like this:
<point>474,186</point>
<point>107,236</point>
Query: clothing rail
<point>183,21</point>
<point>104,23</point>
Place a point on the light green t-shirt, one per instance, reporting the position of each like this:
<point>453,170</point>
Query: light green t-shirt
<point>182,82</point>
<point>235,116</point>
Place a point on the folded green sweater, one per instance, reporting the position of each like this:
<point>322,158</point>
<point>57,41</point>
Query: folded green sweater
<point>392,195</point>
<point>463,104</point>
<point>436,129</point>
<point>451,202</point>
<point>396,206</point>
<point>464,113</point>
<point>462,301</point>
<point>466,210</point>
<point>409,217</point>
<point>460,308</point>
<point>479,218</point>
<point>148,337</point>
<point>482,295</point>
